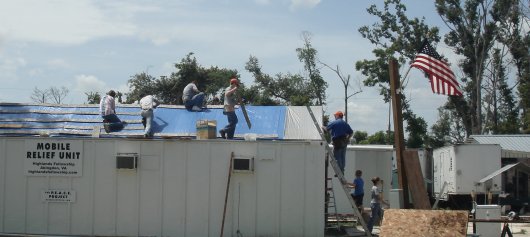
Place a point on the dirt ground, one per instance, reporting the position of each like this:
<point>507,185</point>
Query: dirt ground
<point>517,229</point>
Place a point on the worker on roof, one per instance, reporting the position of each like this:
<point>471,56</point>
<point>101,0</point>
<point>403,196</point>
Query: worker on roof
<point>229,109</point>
<point>107,109</point>
<point>192,98</point>
<point>341,133</point>
<point>148,103</point>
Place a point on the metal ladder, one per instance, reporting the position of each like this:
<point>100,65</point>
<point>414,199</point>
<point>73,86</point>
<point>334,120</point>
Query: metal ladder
<point>331,204</point>
<point>339,174</point>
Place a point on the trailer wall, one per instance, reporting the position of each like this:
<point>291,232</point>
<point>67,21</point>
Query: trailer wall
<point>462,166</point>
<point>177,189</point>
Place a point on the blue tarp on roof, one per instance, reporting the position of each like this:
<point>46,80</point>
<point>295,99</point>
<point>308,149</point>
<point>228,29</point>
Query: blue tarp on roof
<point>267,121</point>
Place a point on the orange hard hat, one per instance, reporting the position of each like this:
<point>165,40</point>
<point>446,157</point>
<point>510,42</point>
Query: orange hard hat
<point>339,113</point>
<point>234,81</point>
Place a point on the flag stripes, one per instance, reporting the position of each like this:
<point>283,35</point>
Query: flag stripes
<point>442,78</point>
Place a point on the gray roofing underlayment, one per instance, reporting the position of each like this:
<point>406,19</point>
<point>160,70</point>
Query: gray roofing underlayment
<point>268,122</point>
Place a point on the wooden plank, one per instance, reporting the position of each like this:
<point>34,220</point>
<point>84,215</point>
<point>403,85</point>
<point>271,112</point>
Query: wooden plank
<point>418,191</point>
<point>11,125</point>
<point>245,114</point>
<point>36,111</point>
<point>433,223</point>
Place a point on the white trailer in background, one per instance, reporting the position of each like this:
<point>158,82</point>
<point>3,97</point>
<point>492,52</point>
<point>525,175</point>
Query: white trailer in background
<point>373,160</point>
<point>137,187</point>
<point>462,166</point>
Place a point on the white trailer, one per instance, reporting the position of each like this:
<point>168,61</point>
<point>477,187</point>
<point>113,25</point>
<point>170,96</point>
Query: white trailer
<point>373,160</point>
<point>462,166</point>
<point>137,187</point>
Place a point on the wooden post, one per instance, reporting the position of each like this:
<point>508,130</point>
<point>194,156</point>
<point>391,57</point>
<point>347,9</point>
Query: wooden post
<point>399,139</point>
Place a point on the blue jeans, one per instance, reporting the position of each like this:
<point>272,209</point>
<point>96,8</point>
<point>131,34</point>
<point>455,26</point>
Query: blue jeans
<point>230,129</point>
<point>375,215</point>
<point>340,156</point>
<point>113,121</point>
<point>196,100</point>
<point>148,116</point>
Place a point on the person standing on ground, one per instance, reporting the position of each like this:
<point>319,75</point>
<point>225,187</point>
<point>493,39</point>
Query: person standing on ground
<point>375,203</point>
<point>148,103</point>
<point>229,109</point>
<point>192,97</point>
<point>341,133</point>
<point>107,109</point>
<point>358,192</point>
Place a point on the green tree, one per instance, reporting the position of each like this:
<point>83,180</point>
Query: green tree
<point>93,97</point>
<point>360,136</point>
<point>283,89</point>
<point>513,19</point>
<point>395,36</point>
<point>380,137</point>
<point>308,55</point>
<point>168,90</point>
<point>419,126</point>
<point>475,27</point>
<point>471,34</point>
<point>141,84</point>
<point>441,130</point>
<point>501,110</point>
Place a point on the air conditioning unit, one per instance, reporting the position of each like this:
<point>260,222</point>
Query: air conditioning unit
<point>126,161</point>
<point>243,164</point>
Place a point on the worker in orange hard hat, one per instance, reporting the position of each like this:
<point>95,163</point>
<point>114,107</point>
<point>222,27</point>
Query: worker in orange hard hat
<point>229,109</point>
<point>341,133</point>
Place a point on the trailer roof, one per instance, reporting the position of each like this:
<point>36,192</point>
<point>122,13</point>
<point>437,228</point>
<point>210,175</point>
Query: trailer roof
<point>268,122</point>
<point>513,145</point>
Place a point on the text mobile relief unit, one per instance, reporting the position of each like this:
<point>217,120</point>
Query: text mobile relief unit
<point>461,166</point>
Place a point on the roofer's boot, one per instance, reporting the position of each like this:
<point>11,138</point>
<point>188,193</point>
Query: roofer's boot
<point>106,126</point>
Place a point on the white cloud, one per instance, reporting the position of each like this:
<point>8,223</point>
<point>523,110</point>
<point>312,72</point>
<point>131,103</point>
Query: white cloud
<point>89,83</point>
<point>9,68</point>
<point>59,21</point>
<point>58,63</point>
<point>296,4</point>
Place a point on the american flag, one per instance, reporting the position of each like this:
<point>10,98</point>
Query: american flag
<point>442,79</point>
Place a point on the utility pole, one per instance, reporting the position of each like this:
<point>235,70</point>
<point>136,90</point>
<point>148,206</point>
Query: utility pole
<point>399,139</point>
<point>408,164</point>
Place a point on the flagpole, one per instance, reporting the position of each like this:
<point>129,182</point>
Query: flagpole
<point>405,77</point>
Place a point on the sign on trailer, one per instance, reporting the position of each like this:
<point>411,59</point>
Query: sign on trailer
<point>53,158</point>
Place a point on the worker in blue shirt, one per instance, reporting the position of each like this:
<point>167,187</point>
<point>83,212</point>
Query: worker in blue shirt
<point>341,133</point>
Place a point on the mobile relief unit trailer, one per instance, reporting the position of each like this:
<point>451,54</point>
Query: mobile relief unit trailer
<point>462,166</point>
<point>139,187</point>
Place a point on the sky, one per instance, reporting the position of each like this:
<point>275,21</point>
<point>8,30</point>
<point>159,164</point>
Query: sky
<point>97,45</point>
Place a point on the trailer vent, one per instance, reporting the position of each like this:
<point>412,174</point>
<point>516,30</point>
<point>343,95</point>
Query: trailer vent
<point>243,164</point>
<point>126,161</point>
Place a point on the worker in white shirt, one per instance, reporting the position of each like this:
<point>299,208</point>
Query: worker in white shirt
<point>148,103</point>
<point>107,109</point>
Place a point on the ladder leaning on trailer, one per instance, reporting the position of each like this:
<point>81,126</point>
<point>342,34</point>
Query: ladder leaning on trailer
<point>339,174</point>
